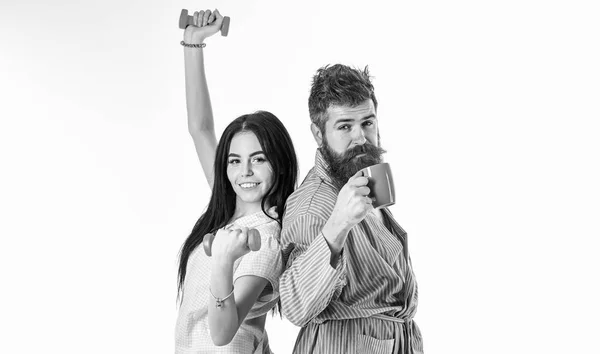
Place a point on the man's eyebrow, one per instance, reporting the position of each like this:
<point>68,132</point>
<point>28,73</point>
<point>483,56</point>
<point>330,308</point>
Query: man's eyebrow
<point>349,120</point>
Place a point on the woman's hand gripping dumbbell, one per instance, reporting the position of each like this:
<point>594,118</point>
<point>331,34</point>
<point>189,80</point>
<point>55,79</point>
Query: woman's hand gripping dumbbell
<point>203,19</point>
<point>232,243</point>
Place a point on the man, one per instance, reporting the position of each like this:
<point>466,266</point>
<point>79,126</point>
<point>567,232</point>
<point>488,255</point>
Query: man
<point>349,281</point>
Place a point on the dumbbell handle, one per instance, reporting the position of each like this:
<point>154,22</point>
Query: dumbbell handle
<point>253,241</point>
<point>187,20</point>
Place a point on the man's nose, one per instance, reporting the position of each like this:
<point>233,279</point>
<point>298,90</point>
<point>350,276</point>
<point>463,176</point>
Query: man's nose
<point>359,137</point>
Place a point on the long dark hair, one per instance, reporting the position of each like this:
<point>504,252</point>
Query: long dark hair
<point>279,151</point>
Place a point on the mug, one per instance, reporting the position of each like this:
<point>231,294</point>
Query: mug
<point>381,185</point>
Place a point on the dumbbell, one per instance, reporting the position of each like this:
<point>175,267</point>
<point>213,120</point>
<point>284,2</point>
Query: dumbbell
<point>187,20</point>
<point>253,241</point>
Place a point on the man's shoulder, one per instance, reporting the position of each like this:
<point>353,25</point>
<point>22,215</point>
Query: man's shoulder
<point>314,196</point>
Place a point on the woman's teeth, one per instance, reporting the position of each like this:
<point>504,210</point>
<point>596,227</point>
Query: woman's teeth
<point>248,185</point>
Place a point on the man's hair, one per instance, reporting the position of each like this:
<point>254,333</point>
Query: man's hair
<point>338,85</point>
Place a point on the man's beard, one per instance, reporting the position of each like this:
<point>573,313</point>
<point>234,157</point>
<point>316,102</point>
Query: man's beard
<point>343,166</point>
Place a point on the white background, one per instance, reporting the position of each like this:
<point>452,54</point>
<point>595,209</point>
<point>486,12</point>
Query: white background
<point>488,110</point>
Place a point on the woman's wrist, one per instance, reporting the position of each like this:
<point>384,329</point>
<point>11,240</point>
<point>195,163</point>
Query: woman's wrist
<point>193,38</point>
<point>221,264</point>
<point>220,272</point>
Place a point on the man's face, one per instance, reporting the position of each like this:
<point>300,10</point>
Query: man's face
<point>351,140</point>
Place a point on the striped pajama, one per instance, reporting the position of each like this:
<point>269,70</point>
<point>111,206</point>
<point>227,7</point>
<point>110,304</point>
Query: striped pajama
<point>365,304</point>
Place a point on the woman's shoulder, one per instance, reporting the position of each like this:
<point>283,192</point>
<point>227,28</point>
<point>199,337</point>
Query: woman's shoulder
<point>266,218</point>
<point>269,229</point>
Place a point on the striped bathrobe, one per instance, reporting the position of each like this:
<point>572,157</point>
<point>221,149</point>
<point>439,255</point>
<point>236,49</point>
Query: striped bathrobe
<point>365,304</point>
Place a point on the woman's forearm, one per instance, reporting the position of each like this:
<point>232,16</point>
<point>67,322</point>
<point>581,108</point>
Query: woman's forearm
<point>199,109</point>
<point>223,321</point>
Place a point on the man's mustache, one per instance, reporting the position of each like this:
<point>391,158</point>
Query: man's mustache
<point>366,148</point>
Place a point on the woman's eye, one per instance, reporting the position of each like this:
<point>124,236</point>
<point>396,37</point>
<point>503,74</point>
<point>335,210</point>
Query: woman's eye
<point>234,161</point>
<point>258,160</point>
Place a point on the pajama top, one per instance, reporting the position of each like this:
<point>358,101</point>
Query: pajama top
<point>192,333</point>
<point>365,304</point>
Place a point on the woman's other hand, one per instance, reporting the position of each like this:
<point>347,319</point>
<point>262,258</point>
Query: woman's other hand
<point>230,244</point>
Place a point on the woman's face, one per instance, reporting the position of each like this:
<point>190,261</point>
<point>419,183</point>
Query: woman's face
<point>248,170</point>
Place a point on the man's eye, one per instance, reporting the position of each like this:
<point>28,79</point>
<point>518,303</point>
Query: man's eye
<point>368,123</point>
<point>344,127</point>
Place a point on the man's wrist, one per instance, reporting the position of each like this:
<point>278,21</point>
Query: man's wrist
<point>335,235</point>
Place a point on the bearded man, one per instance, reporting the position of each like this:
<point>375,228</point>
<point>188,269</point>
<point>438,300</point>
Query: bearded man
<point>349,281</point>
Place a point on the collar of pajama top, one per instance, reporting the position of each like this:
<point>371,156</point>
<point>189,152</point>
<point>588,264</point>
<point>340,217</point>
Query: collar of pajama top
<point>378,271</point>
<point>253,220</point>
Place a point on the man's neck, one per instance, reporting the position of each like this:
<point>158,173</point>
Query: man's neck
<point>378,214</point>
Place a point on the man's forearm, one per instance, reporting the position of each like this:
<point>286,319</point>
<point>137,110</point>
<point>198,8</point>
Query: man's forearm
<point>335,235</point>
<point>310,283</point>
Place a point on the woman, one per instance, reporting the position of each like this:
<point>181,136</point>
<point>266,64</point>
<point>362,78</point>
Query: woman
<point>252,170</point>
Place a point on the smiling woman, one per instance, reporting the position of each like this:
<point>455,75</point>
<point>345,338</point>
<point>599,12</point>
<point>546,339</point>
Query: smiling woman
<point>252,170</point>
<point>248,170</point>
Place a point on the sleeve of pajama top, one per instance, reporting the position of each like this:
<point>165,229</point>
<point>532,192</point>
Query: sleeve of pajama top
<point>309,283</point>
